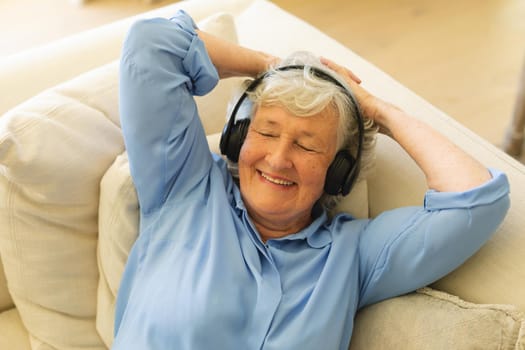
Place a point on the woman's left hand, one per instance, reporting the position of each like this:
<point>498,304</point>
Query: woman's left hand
<point>446,166</point>
<point>371,106</point>
<point>368,103</point>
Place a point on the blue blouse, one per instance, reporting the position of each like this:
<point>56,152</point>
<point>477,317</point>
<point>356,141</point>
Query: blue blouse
<point>199,276</point>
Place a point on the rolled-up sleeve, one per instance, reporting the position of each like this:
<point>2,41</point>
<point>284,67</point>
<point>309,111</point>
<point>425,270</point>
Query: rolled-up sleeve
<point>163,64</point>
<point>408,248</point>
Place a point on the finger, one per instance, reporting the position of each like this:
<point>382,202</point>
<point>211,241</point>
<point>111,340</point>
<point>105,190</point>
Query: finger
<point>345,72</point>
<point>332,65</point>
<point>353,76</point>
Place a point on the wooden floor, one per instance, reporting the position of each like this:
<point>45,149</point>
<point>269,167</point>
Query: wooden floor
<point>464,56</point>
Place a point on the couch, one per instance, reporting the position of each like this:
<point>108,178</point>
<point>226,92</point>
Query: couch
<point>68,209</point>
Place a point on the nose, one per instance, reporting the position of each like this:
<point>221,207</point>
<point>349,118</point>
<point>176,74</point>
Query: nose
<point>279,154</point>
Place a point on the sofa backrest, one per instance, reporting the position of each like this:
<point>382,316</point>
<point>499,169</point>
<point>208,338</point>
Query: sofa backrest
<point>27,73</point>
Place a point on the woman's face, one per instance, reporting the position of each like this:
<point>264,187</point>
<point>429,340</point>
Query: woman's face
<point>283,164</point>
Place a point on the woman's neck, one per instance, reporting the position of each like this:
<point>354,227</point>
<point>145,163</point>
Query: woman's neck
<point>272,228</point>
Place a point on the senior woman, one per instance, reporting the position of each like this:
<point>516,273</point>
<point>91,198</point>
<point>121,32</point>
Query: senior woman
<point>258,263</point>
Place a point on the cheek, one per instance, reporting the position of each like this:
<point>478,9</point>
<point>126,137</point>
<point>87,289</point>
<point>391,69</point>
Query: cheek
<point>247,154</point>
<point>314,173</point>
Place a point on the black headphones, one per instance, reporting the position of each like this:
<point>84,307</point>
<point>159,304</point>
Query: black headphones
<point>343,170</point>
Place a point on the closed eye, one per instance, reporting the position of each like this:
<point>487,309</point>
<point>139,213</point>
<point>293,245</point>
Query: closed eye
<point>271,134</point>
<point>306,148</point>
<point>265,134</point>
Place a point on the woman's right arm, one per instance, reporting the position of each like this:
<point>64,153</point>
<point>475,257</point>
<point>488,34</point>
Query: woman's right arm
<point>164,63</point>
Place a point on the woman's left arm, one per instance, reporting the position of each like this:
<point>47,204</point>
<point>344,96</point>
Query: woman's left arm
<point>447,168</point>
<point>407,248</point>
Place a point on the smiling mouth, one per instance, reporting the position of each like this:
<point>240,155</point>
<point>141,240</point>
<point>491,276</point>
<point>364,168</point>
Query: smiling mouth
<point>276,181</point>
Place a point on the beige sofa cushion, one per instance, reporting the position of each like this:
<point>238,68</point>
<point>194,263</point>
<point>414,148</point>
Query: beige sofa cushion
<point>54,150</point>
<point>5,298</point>
<point>433,320</point>
<point>118,230</point>
<point>14,335</point>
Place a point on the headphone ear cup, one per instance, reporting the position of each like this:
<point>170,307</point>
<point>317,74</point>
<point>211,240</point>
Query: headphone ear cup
<point>341,174</point>
<point>233,138</point>
<point>350,179</point>
<point>225,138</point>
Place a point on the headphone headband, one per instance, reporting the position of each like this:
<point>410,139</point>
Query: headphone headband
<point>231,142</point>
